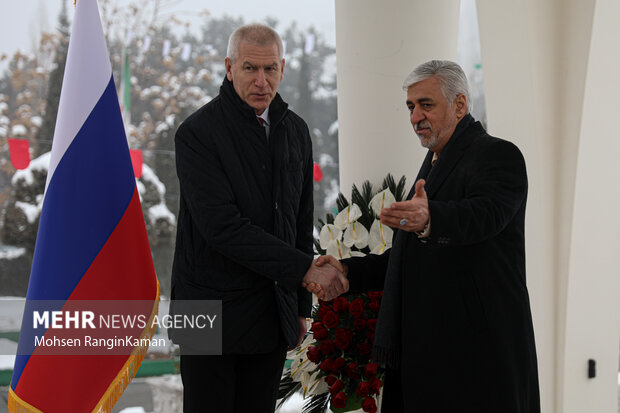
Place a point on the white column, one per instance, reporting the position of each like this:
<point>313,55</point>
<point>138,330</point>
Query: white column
<point>378,43</point>
<point>519,63</point>
<point>550,75</point>
<point>593,294</point>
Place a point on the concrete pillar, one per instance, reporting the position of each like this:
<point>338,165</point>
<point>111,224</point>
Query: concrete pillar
<point>551,85</point>
<point>378,44</point>
<point>592,319</point>
<point>549,74</point>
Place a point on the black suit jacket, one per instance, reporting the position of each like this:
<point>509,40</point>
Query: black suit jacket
<point>244,233</point>
<point>467,339</point>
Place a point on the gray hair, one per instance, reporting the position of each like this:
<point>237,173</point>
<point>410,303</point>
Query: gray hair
<point>452,79</point>
<point>256,34</point>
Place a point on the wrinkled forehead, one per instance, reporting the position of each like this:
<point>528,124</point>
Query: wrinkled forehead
<point>259,52</point>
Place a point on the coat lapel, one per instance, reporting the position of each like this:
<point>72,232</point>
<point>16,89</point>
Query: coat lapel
<point>449,158</point>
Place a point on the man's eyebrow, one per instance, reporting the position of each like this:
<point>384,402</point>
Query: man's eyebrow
<point>421,100</point>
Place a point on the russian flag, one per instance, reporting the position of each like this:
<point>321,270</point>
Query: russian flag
<point>91,242</point>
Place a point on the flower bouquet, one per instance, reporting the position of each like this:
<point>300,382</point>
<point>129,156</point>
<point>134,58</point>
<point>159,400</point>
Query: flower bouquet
<point>332,367</point>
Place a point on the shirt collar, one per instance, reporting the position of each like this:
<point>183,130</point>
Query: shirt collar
<point>264,116</point>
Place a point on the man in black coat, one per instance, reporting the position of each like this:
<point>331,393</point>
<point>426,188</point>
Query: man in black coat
<point>244,234</point>
<point>455,327</point>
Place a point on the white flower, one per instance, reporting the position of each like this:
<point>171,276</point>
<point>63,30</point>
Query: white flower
<point>380,238</point>
<point>356,254</point>
<point>329,233</point>
<point>347,216</point>
<point>300,363</point>
<point>315,386</point>
<point>356,234</point>
<point>336,248</point>
<point>382,200</point>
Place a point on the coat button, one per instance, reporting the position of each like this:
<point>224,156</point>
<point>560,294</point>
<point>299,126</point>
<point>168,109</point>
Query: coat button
<point>263,166</point>
<point>276,206</point>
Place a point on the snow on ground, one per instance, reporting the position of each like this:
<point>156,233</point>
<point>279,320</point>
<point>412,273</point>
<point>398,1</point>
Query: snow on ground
<point>11,313</point>
<point>7,350</point>
<point>167,393</point>
<point>133,410</point>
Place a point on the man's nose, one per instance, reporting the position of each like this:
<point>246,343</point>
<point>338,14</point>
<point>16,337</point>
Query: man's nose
<point>261,79</point>
<point>416,115</point>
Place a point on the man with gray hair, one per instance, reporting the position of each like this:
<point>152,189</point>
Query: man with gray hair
<point>455,326</point>
<point>244,233</point>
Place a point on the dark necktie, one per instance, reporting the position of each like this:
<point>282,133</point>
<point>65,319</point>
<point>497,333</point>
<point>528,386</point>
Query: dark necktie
<point>262,123</point>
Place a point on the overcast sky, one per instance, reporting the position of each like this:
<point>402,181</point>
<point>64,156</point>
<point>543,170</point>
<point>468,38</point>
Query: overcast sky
<point>21,21</point>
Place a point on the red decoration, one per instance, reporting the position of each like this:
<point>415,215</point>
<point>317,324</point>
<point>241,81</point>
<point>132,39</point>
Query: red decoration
<point>318,173</point>
<point>344,331</point>
<point>19,149</point>
<point>136,161</point>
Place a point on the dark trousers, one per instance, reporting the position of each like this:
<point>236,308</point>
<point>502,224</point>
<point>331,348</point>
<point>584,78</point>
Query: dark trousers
<point>392,401</point>
<point>232,383</point>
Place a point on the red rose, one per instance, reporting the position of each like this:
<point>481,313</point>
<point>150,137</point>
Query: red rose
<point>339,400</point>
<point>317,325</point>
<point>375,295</point>
<point>369,405</point>
<point>330,319</point>
<point>323,308</point>
<point>363,348</point>
<point>336,387</point>
<point>313,354</point>
<point>328,347</point>
<point>371,370</point>
<point>326,365</point>
<point>352,371</point>
<point>341,304</point>
<point>370,336</point>
<point>356,308</point>
<point>372,324</point>
<point>318,330</point>
<point>359,324</point>
<point>323,303</point>
<point>374,306</point>
<point>362,389</point>
<point>375,386</point>
<point>343,338</point>
<point>338,364</point>
<point>331,379</point>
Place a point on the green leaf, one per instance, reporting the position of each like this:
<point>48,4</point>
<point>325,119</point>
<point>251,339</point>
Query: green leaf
<point>341,202</point>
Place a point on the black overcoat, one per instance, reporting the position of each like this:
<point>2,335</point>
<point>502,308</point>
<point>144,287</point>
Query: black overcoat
<point>244,233</point>
<point>466,326</point>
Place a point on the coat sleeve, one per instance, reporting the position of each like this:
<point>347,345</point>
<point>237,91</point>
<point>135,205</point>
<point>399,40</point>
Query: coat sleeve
<point>494,192</point>
<point>211,203</point>
<point>367,273</point>
<point>305,216</point>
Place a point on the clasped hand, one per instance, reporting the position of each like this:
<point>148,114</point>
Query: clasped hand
<point>326,278</point>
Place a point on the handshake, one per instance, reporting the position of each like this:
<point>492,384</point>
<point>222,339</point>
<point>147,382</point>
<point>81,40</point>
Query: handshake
<point>326,278</point>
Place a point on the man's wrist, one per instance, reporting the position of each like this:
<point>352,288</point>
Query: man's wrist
<point>426,232</point>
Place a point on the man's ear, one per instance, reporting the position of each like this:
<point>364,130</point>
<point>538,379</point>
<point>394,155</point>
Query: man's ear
<point>461,105</point>
<point>282,70</point>
<point>228,65</point>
